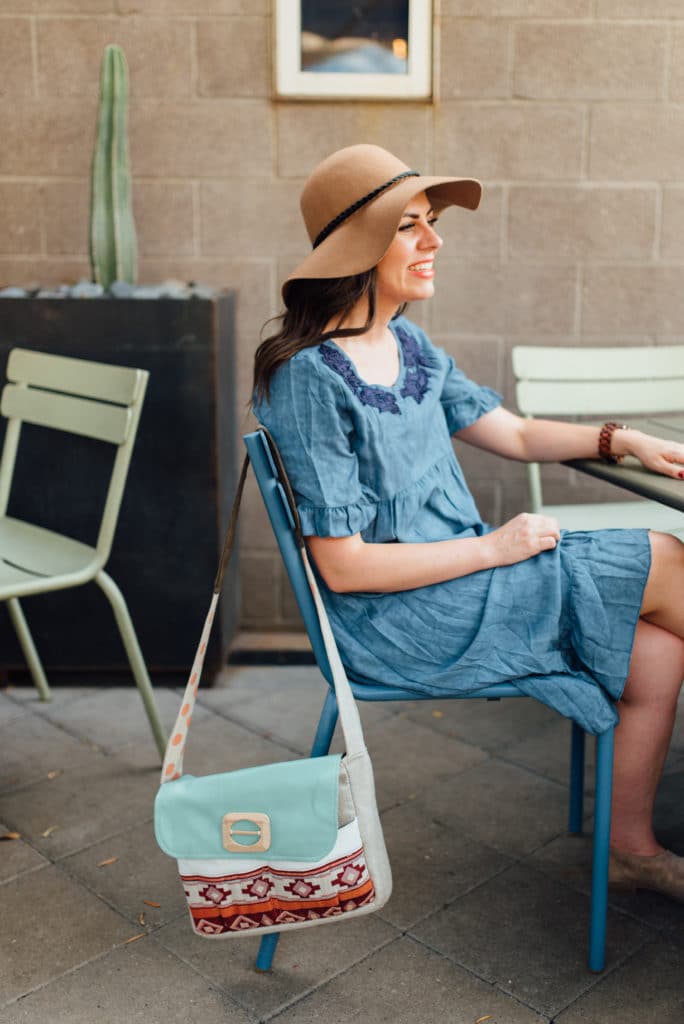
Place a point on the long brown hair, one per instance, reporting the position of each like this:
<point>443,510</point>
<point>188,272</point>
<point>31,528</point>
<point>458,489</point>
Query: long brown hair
<point>311,304</point>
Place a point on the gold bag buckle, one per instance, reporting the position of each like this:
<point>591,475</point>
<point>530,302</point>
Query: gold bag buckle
<point>262,832</point>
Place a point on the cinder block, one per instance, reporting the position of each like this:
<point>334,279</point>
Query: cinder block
<point>47,137</point>
<point>309,132</point>
<point>20,218</point>
<point>672,224</point>
<point>473,237</point>
<point>636,141</point>
<point>633,299</point>
<point>256,534</point>
<point>234,57</point>
<point>511,299</point>
<point>188,7</point>
<point>243,217</point>
<point>509,140</point>
<point>65,211</point>
<point>519,8</point>
<point>33,271</point>
<point>164,218</point>
<point>481,359</point>
<point>474,59</point>
<point>561,224</point>
<point>59,6</point>
<point>201,139</point>
<point>260,588</point>
<point>158,52</point>
<point>638,9</point>
<point>676,83</point>
<point>16,59</point>
<point>590,61</point>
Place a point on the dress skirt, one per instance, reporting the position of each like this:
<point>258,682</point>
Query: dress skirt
<point>559,626</point>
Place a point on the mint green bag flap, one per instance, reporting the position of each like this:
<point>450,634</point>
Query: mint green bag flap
<point>300,800</point>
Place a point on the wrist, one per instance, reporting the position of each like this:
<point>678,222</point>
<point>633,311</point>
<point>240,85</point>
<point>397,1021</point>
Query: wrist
<point>609,442</point>
<point>622,441</point>
<point>487,551</point>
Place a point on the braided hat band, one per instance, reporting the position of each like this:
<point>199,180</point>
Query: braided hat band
<point>372,188</point>
<point>353,207</point>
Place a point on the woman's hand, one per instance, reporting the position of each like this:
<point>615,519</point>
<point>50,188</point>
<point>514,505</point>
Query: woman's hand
<point>523,537</point>
<point>666,457</point>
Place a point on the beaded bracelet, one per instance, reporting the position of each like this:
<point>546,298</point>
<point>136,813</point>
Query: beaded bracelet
<point>605,441</point>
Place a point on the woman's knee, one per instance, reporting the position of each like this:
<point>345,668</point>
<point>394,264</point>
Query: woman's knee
<point>657,665</point>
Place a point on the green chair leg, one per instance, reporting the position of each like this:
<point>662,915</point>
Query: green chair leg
<point>135,658</point>
<point>28,648</point>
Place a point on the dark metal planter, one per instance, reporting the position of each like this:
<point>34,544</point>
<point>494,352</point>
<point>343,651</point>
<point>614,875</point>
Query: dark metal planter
<point>179,492</point>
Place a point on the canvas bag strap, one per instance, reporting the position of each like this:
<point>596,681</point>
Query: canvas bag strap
<point>172,767</point>
<point>350,722</point>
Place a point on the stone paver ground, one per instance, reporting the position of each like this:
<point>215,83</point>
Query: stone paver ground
<point>487,923</point>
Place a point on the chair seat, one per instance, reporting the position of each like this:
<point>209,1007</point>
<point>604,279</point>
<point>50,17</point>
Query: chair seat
<point>622,514</point>
<point>34,560</point>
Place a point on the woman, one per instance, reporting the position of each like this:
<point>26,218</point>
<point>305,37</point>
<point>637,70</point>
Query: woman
<point>420,592</point>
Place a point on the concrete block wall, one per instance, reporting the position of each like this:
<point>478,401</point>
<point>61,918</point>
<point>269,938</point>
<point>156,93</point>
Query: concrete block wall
<point>570,111</point>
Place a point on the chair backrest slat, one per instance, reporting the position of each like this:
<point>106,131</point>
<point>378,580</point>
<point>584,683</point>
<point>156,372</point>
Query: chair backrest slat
<point>120,384</point>
<point>64,412</point>
<point>275,501</point>
<point>643,362</point>
<point>599,381</point>
<point>596,398</point>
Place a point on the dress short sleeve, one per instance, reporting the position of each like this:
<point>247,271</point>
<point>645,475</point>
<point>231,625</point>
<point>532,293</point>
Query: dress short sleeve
<point>308,418</point>
<point>462,399</point>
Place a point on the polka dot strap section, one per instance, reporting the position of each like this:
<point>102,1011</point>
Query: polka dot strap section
<point>175,748</point>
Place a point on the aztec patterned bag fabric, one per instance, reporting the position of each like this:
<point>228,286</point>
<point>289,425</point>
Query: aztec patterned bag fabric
<point>313,865</point>
<point>278,846</point>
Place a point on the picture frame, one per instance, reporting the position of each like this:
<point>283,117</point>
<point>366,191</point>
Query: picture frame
<point>347,50</point>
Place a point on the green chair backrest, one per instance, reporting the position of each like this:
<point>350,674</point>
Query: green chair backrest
<point>597,382</point>
<point>92,399</point>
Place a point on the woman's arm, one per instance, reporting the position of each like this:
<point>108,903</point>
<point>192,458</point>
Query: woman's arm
<point>349,564</point>
<point>534,440</point>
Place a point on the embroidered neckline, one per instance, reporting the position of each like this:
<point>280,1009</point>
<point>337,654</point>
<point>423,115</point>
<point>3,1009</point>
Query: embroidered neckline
<point>415,384</point>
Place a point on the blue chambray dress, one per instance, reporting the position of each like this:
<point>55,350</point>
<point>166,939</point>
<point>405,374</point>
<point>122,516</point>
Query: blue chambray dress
<point>379,461</point>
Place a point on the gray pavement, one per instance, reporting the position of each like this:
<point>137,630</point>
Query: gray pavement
<point>488,920</point>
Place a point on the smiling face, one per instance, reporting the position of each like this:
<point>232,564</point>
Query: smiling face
<point>406,271</point>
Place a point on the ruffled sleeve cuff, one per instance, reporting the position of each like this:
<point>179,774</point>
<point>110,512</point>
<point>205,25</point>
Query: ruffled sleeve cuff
<point>341,521</point>
<point>464,411</point>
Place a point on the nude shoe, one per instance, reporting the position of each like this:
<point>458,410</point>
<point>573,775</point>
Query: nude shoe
<point>662,873</point>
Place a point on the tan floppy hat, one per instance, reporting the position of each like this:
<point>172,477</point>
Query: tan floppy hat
<point>352,204</point>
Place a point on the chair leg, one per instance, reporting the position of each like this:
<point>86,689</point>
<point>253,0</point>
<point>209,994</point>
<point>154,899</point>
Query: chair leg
<point>576,809</point>
<point>29,648</point>
<point>321,746</point>
<point>599,874</point>
<point>135,658</point>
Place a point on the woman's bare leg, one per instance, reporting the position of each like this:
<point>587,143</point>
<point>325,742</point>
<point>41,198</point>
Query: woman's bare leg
<point>663,601</point>
<point>647,711</point>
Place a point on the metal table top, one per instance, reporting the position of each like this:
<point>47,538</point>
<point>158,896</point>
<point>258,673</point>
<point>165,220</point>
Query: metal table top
<point>631,475</point>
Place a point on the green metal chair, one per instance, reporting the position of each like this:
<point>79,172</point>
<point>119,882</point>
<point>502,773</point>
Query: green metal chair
<point>600,383</point>
<point>94,400</point>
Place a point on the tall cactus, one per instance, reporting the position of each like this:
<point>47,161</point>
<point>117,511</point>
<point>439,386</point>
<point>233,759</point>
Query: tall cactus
<point>112,229</point>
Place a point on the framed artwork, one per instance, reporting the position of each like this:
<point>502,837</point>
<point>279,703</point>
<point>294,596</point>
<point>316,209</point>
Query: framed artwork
<point>363,49</point>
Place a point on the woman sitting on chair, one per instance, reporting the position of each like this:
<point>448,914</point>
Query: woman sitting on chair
<point>420,592</point>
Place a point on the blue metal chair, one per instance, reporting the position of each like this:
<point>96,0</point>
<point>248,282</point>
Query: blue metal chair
<point>274,489</point>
